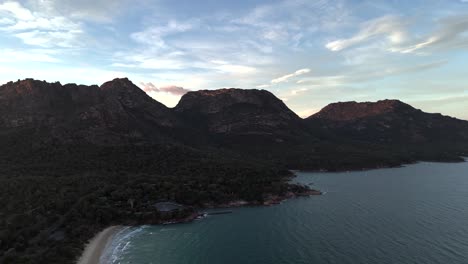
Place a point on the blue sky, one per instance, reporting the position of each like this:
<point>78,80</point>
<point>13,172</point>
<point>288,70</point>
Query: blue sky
<point>307,52</point>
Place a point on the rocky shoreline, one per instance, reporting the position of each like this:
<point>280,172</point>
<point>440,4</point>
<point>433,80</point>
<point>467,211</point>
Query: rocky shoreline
<point>92,252</point>
<point>270,201</point>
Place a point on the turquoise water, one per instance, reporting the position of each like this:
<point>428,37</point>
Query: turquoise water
<point>414,214</point>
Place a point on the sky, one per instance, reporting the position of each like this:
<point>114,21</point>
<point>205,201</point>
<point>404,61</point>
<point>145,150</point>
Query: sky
<point>309,53</point>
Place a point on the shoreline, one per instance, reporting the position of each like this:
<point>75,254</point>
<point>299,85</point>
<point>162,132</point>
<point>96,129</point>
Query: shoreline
<point>462,159</point>
<point>96,246</point>
<point>95,249</point>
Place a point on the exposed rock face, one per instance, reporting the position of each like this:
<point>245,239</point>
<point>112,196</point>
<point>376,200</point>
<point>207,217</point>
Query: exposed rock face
<point>114,113</point>
<point>238,112</point>
<point>349,111</point>
<point>387,121</point>
<point>29,101</point>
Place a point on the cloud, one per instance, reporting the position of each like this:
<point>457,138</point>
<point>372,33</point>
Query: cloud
<point>144,61</point>
<point>172,89</point>
<point>154,34</point>
<point>176,90</point>
<point>35,55</point>
<point>390,26</point>
<point>229,45</point>
<point>288,21</point>
<point>450,34</point>
<point>236,69</point>
<point>39,29</point>
<point>285,78</point>
<point>393,33</point>
<point>165,47</point>
<point>326,81</point>
<point>153,52</point>
<point>326,85</point>
<point>368,74</point>
<point>6,21</point>
<point>49,39</point>
<point>17,11</point>
<point>103,11</point>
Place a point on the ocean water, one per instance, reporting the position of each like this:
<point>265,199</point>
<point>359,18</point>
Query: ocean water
<point>414,214</point>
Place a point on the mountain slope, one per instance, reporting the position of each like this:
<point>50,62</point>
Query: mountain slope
<point>242,116</point>
<point>388,121</point>
<point>118,112</point>
<point>393,125</point>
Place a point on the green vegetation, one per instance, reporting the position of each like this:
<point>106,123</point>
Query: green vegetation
<point>56,200</point>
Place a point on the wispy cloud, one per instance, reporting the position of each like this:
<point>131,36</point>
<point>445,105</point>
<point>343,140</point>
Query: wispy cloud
<point>236,69</point>
<point>17,11</point>
<point>153,35</point>
<point>172,89</point>
<point>101,11</point>
<point>39,29</point>
<point>286,77</point>
<point>288,21</point>
<point>391,27</point>
<point>236,48</point>
<point>450,34</point>
<point>364,75</point>
<point>394,32</point>
<point>34,55</point>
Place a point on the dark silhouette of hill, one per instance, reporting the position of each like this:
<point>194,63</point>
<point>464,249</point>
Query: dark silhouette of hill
<point>393,125</point>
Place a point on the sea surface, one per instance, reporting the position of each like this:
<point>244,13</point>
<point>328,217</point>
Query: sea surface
<point>414,214</point>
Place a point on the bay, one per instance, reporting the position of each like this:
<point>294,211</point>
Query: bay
<point>414,214</point>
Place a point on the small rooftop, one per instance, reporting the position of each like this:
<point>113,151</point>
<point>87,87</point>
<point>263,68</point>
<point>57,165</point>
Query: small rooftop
<point>168,206</point>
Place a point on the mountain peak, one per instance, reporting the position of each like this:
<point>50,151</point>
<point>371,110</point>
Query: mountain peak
<point>348,111</point>
<point>386,122</point>
<point>114,112</point>
<point>241,113</point>
<point>126,92</point>
<point>213,101</point>
<point>28,86</point>
<point>118,83</point>
<point>225,91</point>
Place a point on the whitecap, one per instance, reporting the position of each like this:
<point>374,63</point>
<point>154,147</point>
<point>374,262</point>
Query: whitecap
<point>120,244</point>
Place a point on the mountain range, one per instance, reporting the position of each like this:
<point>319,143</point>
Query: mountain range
<point>249,123</point>
<point>76,159</point>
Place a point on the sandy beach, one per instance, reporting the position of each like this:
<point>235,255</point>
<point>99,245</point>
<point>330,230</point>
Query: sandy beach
<point>96,246</point>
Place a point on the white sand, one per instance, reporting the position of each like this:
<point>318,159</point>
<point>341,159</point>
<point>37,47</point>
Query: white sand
<point>97,245</point>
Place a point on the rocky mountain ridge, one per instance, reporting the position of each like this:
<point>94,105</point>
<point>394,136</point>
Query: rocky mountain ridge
<point>388,121</point>
<point>113,113</point>
<point>243,121</point>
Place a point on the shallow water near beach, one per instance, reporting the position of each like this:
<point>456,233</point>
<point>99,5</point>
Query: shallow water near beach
<point>414,214</point>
